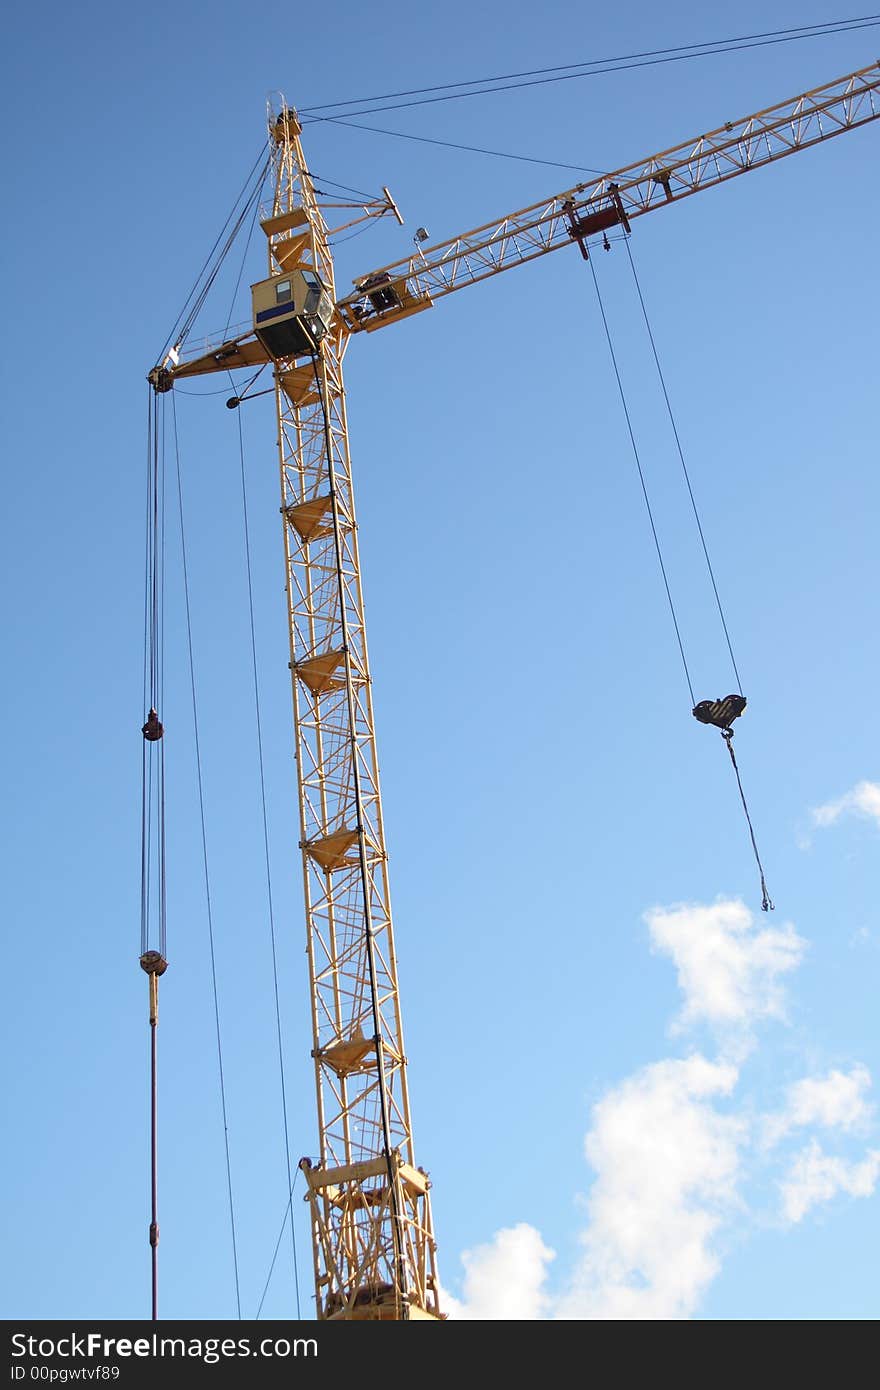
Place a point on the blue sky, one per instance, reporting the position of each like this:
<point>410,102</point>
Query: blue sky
<point>549,801</point>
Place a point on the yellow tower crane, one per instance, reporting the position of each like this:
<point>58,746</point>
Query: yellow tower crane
<point>372,1233</point>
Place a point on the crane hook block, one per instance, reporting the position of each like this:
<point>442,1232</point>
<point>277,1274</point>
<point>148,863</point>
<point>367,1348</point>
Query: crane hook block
<point>721,713</point>
<point>154,963</point>
<point>152,730</point>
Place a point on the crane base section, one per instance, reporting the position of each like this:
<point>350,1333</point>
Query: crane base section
<point>371,1222</point>
<point>378,1305</point>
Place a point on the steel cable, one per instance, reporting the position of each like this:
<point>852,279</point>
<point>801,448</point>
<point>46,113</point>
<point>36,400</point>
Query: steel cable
<point>205,860</point>
<point>269,893</point>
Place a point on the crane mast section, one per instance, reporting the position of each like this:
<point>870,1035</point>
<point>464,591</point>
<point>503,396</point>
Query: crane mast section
<point>404,287</point>
<point>373,1242</point>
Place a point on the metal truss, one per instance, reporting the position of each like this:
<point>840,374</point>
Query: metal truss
<point>373,1241</point>
<point>617,198</point>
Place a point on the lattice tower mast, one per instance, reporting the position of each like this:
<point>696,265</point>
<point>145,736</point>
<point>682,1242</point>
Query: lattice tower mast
<point>374,1249</point>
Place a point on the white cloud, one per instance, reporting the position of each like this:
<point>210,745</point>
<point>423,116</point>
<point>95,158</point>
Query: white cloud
<point>504,1280</point>
<point>669,1151</point>
<point>863,800</point>
<point>815,1176</point>
<point>836,1101</point>
<point>728,970</point>
<point>666,1166</point>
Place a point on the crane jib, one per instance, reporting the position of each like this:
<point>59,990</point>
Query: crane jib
<point>735,148</point>
<point>406,287</point>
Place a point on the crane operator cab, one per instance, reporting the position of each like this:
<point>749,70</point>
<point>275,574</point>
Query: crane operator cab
<point>292,313</point>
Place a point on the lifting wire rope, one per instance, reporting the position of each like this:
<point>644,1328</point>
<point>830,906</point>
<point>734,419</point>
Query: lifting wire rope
<point>288,1212</point>
<point>684,468</point>
<point>719,713</point>
<point>209,910</point>
<point>153,877</point>
<point>153,895</point>
<point>291,1177</point>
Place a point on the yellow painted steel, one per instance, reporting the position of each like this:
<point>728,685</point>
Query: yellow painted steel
<point>374,1252</point>
<point>737,147</point>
